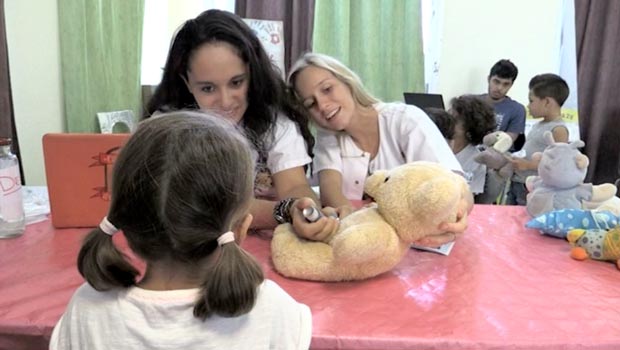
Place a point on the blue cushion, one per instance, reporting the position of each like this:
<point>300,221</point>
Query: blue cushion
<point>557,223</point>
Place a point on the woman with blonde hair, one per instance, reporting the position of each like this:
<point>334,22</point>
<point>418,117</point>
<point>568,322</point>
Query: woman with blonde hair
<point>358,134</point>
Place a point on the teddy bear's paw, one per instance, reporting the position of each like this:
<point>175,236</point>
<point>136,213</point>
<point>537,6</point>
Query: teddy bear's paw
<point>304,259</point>
<point>283,229</point>
<point>506,171</point>
<point>603,192</point>
<point>364,242</point>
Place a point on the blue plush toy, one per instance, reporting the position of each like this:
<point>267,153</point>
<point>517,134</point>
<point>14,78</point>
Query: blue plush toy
<point>557,223</point>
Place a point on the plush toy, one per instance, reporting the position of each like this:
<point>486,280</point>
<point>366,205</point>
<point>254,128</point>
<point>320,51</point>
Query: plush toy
<point>411,202</point>
<point>559,183</point>
<point>595,244</point>
<point>496,156</point>
<point>612,204</point>
<point>557,223</point>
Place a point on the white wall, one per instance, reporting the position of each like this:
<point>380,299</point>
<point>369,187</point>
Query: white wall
<point>478,33</point>
<point>34,61</point>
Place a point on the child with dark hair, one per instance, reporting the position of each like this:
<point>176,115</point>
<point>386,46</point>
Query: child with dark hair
<point>548,92</point>
<point>181,191</point>
<point>474,118</point>
<point>444,121</point>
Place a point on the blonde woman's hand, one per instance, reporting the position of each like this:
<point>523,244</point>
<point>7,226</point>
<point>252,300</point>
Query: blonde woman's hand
<point>344,211</point>
<point>450,231</point>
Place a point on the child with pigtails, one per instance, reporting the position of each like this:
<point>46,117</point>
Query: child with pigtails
<point>181,190</point>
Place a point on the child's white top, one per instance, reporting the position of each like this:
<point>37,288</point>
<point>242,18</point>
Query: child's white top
<point>406,134</point>
<point>136,318</point>
<point>475,173</point>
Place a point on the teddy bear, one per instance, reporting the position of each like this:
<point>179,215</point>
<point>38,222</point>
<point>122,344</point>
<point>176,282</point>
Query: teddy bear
<point>559,183</point>
<point>597,244</point>
<point>496,156</point>
<point>410,202</point>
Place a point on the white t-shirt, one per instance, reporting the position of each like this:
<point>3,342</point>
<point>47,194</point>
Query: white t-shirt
<point>406,134</point>
<point>136,318</point>
<point>475,173</point>
<point>287,151</point>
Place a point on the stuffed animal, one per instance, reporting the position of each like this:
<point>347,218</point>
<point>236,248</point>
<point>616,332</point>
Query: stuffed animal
<point>496,156</point>
<point>559,183</point>
<point>595,244</point>
<point>612,204</point>
<point>557,223</point>
<point>411,202</point>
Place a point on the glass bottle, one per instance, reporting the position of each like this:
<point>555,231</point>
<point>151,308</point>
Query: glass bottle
<point>12,220</point>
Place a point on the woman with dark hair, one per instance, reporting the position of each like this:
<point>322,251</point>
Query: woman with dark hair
<point>217,64</point>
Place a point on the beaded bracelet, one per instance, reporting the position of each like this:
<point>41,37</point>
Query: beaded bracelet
<point>282,210</point>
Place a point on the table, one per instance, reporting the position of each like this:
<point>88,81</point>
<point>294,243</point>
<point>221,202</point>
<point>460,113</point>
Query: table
<point>503,286</point>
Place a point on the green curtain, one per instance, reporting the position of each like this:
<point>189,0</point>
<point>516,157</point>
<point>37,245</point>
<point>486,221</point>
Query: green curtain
<point>381,40</point>
<point>100,49</point>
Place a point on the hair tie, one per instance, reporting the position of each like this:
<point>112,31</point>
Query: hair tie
<point>107,227</point>
<point>226,238</point>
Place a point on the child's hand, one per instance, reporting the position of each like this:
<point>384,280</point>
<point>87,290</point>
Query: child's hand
<point>318,230</point>
<point>520,164</point>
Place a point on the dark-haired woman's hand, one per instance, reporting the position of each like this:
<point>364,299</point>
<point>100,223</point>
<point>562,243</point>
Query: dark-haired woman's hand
<point>318,230</point>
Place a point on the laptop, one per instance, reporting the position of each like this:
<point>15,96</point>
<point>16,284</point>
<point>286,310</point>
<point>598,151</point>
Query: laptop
<point>424,100</point>
<point>78,169</point>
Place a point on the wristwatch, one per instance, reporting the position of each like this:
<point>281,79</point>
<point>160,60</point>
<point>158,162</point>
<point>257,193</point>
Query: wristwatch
<point>282,210</point>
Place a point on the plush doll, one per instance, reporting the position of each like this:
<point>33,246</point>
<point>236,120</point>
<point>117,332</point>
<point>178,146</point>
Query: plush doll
<point>612,204</point>
<point>557,223</point>
<point>595,244</point>
<point>496,156</point>
<point>559,183</point>
<point>411,202</point>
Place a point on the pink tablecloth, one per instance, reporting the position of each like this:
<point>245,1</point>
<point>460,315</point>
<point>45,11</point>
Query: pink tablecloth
<point>503,286</point>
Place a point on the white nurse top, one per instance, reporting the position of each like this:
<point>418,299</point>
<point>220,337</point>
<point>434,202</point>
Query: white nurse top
<point>406,134</point>
<point>285,148</point>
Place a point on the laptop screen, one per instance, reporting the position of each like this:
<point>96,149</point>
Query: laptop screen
<point>423,101</point>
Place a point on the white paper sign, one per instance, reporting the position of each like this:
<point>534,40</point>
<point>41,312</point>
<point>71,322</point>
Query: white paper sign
<point>271,35</point>
<point>108,122</point>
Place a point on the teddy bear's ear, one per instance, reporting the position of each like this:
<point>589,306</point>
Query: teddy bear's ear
<point>374,181</point>
<point>582,161</point>
<point>577,144</point>
<point>548,138</point>
<point>503,143</point>
<point>490,139</point>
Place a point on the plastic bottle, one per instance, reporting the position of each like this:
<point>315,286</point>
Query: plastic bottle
<point>12,220</point>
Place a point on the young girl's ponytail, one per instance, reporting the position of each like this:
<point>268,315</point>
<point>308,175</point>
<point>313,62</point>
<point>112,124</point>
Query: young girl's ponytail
<point>232,284</point>
<point>101,263</point>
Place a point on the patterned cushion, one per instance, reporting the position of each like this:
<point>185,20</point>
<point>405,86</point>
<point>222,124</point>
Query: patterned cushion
<point>557,223</point>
